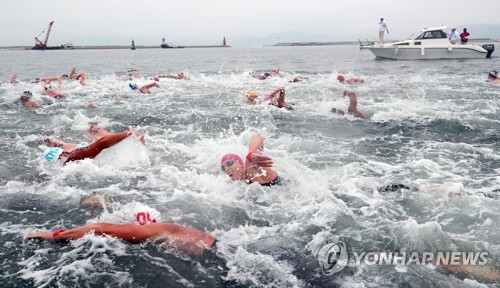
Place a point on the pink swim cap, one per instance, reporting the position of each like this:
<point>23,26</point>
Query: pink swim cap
<point>234,157</point>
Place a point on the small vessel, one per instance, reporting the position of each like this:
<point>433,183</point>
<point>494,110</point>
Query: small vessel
<point>39,45</point>
<point>69,46</point>
<point>164,44</point>
<point>428,43</point>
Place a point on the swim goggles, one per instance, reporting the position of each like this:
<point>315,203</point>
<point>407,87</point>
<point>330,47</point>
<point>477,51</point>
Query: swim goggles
<point>226,164</point>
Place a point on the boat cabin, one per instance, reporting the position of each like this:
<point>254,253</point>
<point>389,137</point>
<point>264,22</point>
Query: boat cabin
<point>434,35</point>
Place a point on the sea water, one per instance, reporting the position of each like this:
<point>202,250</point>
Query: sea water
<point>431,125</point>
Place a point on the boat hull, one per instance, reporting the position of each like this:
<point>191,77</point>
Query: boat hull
<point>48,48</point>
<point>423,53</point>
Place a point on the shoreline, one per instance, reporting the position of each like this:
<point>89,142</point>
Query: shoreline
<point>106,47</point>
<point>283,44</point>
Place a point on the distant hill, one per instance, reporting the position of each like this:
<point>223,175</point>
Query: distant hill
<point>476,31</point>
<point>271,39</point>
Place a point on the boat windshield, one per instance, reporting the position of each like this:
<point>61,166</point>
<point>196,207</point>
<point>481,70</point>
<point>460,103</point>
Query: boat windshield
<point>412,36</point>
<point>435,34</point>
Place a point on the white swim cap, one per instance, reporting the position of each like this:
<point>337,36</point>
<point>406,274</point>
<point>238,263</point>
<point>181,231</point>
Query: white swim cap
<point>52,154</point>
<point>147,216</point>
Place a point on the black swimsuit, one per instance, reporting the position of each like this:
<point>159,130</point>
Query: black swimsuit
<point>276,181</point>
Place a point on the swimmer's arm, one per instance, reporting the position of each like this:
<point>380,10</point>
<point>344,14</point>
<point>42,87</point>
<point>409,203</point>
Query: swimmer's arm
<point>61,235</point>
<point>273,94</point>
<point>349,93</point>
<point>256,159</point>
<point>256,144</point>
<point>95,148</point>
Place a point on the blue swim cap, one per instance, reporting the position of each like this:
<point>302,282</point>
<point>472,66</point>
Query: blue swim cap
<point>52,154</point>
<point>133,86</point>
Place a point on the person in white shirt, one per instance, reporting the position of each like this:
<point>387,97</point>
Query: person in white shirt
<point>454,37</point>
<point>382,26</point>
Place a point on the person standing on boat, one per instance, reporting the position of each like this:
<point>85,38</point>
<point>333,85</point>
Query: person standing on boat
<point>453,36</point>
<point>382,27</point>
<point>464,36</point>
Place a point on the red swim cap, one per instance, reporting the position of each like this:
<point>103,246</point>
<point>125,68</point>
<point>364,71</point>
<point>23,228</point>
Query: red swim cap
<point>228,157</point>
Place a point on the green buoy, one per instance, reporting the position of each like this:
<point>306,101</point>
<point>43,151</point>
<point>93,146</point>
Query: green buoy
<point>133,45</point>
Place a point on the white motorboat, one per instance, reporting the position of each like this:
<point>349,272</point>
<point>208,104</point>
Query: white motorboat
<point>429,43</point>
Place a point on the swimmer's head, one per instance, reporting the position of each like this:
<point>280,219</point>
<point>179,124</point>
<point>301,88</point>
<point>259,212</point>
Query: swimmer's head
<point>132,86</point>
<point>340,77</point>
<point>337,111</point>
<point>251,95</point>
<point>147,216</point>
<point>493,74</point>
<point>232,165</point>
<point>94,128</point>
<point>26,96</point>
<point>65,76</point>
<point>267,74</point>
<point>52,154</point>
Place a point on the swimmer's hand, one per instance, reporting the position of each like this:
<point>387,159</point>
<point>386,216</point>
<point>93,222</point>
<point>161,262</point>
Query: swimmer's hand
<point>261,160</point>
<point>45,235</point>
<point>138,135</point>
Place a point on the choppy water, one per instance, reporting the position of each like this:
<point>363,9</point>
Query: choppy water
<point>430,124</point>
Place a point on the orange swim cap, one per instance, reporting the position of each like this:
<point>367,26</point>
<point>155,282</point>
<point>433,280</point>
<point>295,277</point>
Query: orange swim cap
<point>251,95</point>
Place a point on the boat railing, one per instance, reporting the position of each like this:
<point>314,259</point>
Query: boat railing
<point>362,43</point>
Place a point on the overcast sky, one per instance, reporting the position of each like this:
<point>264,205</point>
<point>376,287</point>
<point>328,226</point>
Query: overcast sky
<point>188,22</point>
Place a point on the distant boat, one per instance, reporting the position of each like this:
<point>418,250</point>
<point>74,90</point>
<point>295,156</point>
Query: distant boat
<point>165,45</point>
<point>133,45</point>
<point>39,45</point>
